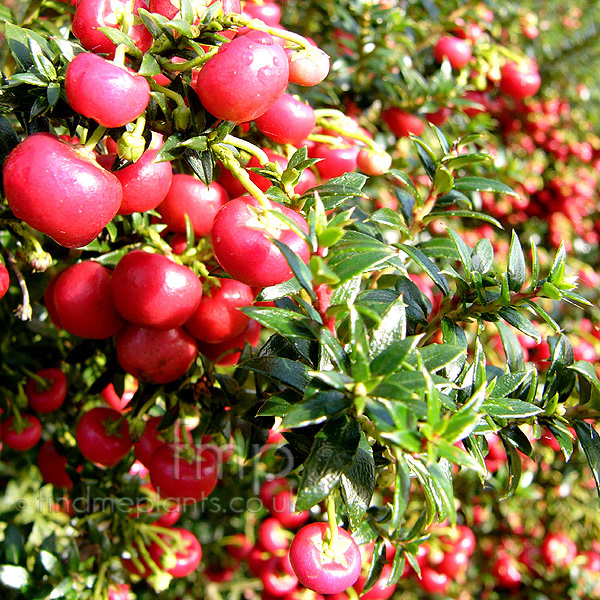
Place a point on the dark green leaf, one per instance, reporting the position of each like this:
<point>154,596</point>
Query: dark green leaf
<point>391,357</point>
<point>332,454</point>
<point>391,329</point>
<point>358,483</point>
<point>288,323</point>
<point>426,156</point>
<point>316,409</point>
<point>482,258</point>
<point>479,184</point>
<point>390,218</point>
<point>12,545</point>
<point>457,162</point>
<point>117,37</point>
<point>300,270</point>
<point>563,436</point>
<point>406,180</point>
<point>440,356</point>
<point>378,561</point>
<point>285,371</point>
<point>517,269</point>
<point>509,383</point>
<point>464,214</point>
<point>587,371</point>
<point>512,348</point>
<point>590,442</point>
<point>428,266</point>
<point>19,47</point>
<point>513,317</point>
<point>510,408</point>
<point>514,469</point>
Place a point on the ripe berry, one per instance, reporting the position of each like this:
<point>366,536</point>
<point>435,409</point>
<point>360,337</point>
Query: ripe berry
<point>244,79</point>
<point>101,90</point>
<point>60,190</point>
<point>457,51</point>
<point>288,121</point>
<point>519,81</point>
<point>4,280</point>
<point>402,123</point>
<point>242,245</point>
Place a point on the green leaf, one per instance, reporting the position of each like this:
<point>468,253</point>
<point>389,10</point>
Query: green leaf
<point>558,265</point>
<point>391,329</point>
<point>443,180</point>
<point>512,348</point>
<point>543,314</point>
<point>357,484</point>
<point>457,162</point>
<point>283,370</point>
<point>332,454</point>
<point>149,66</point>
<point>463,214</point>
<point>12,545</point>
<point>441,356</point>
<point>517,269</point>
<point>17,578</point>
<point>118,37</point>
<point>426,156</point>
<point>513,317</point>
<point>316,409</point>
<point>587,371</point>
<point>590,442</point>
<point>300,270</point>
<point>19,47</point>
<point>480,184</point>
<point>509,383</point>
<point>482,258</point>
<point>51,563</point>
<point>288,323</point>
<point>406,180</point>
<point>514,469</point>
<point>428,266</point>
<point>563,436</point>
<point>510,408</point>
<point>389,359</point>
<point>390,218</point>
<point>42,63</point>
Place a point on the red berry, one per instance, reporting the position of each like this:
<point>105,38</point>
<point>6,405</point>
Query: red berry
<point>47,399</point>
<point>307,67</point>
<point>83,301</point>
<point>186,559</point>
<point>52,466</point>
<point>402,123</point>
<point>558,550</point>
<point>25,438</point>
<point>372,162</point>
<point>59,190</point>
<point>4,280</point>
<point>97,440</point>
<point>519,81</point>
<point>178,478</point>
<point>288,121</point>
<point>218,318</point>
<point>323,569</point>
<point>151,290</point>
<point>189,196</point>
<point>101,90</point>
<point>92,14</point>
<point>506,571</point>
<point>457,51</point>
<point>227,353</point>
<point>145,183</point>
<point>244,79</point>
<point>155,355</point>
<point>242,245</point>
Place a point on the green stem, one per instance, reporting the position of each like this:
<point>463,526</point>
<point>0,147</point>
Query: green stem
<point>230,162</point>
<point>187,65</point>
<point>242,21</point>
<point>332,518</point>
<point>248,147</point>
<point>92,141</point>
<point>337,125</point>
<point>177,98</point>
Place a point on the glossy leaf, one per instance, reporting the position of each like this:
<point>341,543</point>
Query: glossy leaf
<point>479,184</point>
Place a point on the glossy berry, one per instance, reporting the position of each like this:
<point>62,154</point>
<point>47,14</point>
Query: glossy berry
<point>519,81</point>
<point>402,123</point>
<point>241,241</point>
<point>52,466</point>
<point>155,355</point>
<point>244,79</point>
<point>181,478</point>
<point>288,121</point>
<point>371,162</point>
<point>268,12</point>
<point>187,553</point>
<point>92,14</point>
<point>23,436</point>
<point>149,441</point>
<point>433,582</point>
<point>60,190</point>
<point>307,67</point>
<point>187,195</point>
<point>83,301</point>
<point>457,51</point>
<point>218,317</point>
<point>100,439</point>
<point>227,353</point>
<point>558,550</point>
<point>335,160</point>
<point>321,568</point>
<point>45,399</point>
<point>145,183</point>
<point>101,90</point>
<point>380,591</point>
<point>4,280</point>
<point>151,290</point>
<point>506,571</point>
